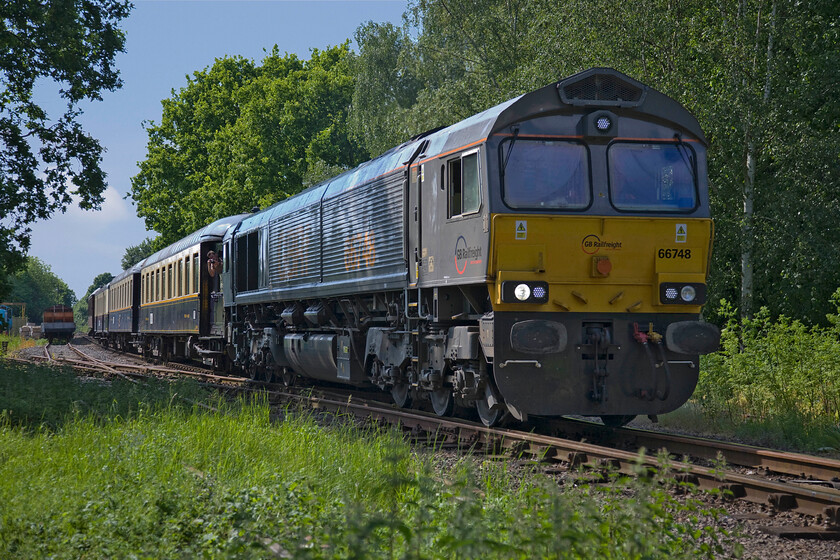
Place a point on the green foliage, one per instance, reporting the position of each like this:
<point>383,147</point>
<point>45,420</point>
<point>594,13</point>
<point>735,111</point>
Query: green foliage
<point>39,288</point>
<point>781,377</point>
<point>758,75</point>
<point>137,470</point>
<point>43,159</point>
<point>80,310</point>
<point>41,398</point>
<point>136,253</point>
<point>241,134</point>
<point>15,343</point>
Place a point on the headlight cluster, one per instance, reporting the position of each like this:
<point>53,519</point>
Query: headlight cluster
<point>679,293</point>
<point>524,292</point>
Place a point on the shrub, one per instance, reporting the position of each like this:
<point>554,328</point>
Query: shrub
<point>779,372</point>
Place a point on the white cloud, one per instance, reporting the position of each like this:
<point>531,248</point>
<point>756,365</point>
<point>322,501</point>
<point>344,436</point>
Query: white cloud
<point>78,245</point>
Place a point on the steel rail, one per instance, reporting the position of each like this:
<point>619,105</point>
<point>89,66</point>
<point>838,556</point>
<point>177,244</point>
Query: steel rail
<point>769,460</point>
<point>781,496</point>
<point>750,456</point>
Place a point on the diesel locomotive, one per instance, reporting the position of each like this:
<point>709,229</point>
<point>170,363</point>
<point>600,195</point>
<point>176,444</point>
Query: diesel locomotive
<point>547,256</point>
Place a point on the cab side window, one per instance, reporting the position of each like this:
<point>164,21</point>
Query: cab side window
<point>464,185</point>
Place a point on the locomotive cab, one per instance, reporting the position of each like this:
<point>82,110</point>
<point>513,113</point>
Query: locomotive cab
<point>601,240</point>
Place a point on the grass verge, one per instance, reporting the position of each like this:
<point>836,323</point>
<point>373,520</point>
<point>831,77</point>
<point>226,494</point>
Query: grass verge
<point>119,473</point>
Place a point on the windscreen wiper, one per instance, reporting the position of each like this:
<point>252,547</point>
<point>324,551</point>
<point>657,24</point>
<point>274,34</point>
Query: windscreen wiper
<point>510,148</point>
<point>685,154</point>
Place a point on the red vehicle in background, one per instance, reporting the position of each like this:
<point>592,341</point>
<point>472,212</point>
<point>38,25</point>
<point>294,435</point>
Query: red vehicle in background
<point>58,323</point>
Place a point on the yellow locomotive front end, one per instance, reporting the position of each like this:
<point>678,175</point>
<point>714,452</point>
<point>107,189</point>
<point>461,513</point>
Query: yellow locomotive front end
<point>600,313</point>
<point>600,242</point>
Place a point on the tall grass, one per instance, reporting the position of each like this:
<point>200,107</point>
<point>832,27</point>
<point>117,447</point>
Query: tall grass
<point>15,343</point>
<point>777,381</point>
<point>152,478</point>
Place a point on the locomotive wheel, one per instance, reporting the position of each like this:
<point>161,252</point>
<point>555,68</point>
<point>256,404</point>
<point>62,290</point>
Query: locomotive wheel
<point>489,417</point>
<point>260,373</point>
<point>442,402</point>
<point>288,377</point>
<point>617,420</point>
<point>401,394</point>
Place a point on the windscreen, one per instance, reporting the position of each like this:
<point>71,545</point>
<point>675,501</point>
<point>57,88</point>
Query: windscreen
<point>540,174</point>
<point>652,177</point>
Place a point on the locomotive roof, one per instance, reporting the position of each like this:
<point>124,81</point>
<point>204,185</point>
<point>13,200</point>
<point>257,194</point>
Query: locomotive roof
<point>592,89</point>
<point>214,231</point>
<point>464,132</point>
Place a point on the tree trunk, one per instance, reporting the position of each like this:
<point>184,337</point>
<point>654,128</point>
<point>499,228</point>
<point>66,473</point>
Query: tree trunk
<point>747,235</point>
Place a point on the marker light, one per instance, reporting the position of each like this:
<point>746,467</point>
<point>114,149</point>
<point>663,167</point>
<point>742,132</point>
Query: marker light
<point>603,123</point>
<point>522,292</point>
<point>682,293</point>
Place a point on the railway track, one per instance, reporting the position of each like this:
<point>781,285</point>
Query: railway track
<point>810,497</point>
<point>781,481</point>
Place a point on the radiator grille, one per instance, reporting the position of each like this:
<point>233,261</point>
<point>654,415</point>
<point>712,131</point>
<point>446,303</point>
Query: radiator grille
<point>602,87</point>
<point>363,231</point>
<point>294,248</point>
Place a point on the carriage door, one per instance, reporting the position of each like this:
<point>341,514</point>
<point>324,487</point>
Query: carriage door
<point>215,266</point>
<point>414,223</point>
<point>227,284</point>
<point>414,217</point>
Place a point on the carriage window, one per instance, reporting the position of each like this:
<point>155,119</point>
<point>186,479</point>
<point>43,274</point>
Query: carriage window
<point>464,185</point>
<point>187,276</point>
<point>196,271</point>
<point>540,174</point>
<point>652,177</point>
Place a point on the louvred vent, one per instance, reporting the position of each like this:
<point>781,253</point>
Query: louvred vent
<point>602,88</point>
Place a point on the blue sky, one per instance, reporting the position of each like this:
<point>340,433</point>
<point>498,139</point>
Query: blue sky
<point>166,40</point>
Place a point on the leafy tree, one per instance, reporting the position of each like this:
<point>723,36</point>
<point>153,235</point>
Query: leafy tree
<point>758,74</point>
<point>44,160</point>
<point>388,81</point>
<point>452,59</point>
<point>240,135</point>
<point>136,253</point>
<point>38,287</point>
<point>80,309</point>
